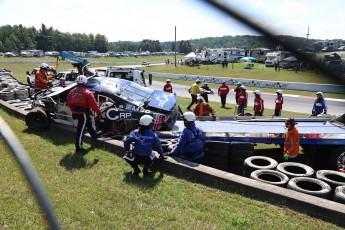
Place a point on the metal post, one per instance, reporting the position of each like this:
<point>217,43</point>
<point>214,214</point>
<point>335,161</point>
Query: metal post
<point>175,46</point>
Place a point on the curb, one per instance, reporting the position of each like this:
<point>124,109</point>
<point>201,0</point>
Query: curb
<point>326,210</point>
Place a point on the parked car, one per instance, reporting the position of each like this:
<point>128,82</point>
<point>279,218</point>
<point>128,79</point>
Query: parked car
<point>341,48</point>
<point>9,54</point>
<point>328,49</point>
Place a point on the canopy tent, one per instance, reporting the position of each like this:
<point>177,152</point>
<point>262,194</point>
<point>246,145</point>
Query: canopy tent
<point>248,59</point>
<point>190,55</point>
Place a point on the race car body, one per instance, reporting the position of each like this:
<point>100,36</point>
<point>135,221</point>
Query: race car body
<point>122,103</point>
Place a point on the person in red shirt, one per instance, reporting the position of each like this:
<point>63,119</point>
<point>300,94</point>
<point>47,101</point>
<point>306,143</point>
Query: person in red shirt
<point>81,101</point>
<point>242,101</point>
<point>279,103</point>
<point>223,91</point>
<point>291,144</point>
<point>258,104</point>
<point>203,108</point>
<point>237,92</point>
<point>168,87</point>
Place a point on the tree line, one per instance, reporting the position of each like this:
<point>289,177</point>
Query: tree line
<point>17,38</point>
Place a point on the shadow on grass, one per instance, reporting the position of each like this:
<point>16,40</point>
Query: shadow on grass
<point>76,160</point>
<point>144,182</point>
<point>50,135</point>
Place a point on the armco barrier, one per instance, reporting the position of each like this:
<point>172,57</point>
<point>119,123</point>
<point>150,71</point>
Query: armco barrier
<point>326,88</point>
<point>320,208</point>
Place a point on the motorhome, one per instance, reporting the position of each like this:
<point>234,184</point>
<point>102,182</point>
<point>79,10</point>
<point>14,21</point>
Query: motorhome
<point>259,54</point>
<point>276,56</point>
<point>219,55</point>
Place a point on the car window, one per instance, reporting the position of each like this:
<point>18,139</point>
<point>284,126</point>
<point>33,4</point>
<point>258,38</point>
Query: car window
<point>58,76</point>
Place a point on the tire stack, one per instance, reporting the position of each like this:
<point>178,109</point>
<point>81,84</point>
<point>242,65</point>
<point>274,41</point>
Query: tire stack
<point>336,181</point>
<point>217,154</point>
<point>21,92</point>
<point>239,151</point>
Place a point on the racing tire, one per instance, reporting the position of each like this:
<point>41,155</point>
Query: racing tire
<point>242,146</point>
<point>37,119</point>
<point>293,169</point>
<point>218,159</point>
<point>217,145</point>
<point>333,178</point>
<point>7,95</point>
<point>258,162</point>
<point>243,154</point>
<point>310,186</point>
<point>271,177</point>
<point>337,159</point>
<point>165,144</point>
<point>339,194</point>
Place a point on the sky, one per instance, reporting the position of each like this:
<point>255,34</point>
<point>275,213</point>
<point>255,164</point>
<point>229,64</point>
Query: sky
<point>135,20</point>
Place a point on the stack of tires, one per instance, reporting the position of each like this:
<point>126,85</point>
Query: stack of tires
<point>327,184</point>
<point>239,151</point>
<point>217,154</point>
<point>22,92</point>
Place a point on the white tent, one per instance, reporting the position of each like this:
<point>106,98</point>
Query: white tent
<point>190,55</point>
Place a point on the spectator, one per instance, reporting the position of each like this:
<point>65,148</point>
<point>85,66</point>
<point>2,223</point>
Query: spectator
<point>279,103</point>
<point>62,83</point>
<point>223,91</point>
<point>242,101</point>
<point>319,105</point>
<point>143,77</point>
<point>258,104</point>
<point>194,90</point>
<point>291,144</point>
<point>237,92</point>
<point>191,142</point>
<point>145,140</point>
<point>202,108</point>
<point>207,90</point>
<point>168,87</point>
<point>81,101</point>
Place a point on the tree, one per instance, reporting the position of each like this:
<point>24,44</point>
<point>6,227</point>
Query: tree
<point>184,47</point>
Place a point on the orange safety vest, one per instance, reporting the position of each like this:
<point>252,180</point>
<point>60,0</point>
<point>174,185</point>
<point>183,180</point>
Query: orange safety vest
<point>41,80</point>
<point>291,144</point>
<point>203,110</point>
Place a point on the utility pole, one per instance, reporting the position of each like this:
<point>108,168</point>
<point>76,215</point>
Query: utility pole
<point>307,36</point>
<point>175,46</point>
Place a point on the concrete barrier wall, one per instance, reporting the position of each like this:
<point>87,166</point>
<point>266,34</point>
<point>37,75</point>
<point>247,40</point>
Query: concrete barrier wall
<point>326,88</point>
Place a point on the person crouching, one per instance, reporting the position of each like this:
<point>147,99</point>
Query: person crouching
<point>144,140</point>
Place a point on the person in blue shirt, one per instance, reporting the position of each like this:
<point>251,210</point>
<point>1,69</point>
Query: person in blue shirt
<point>191,142</point>
<point>319,105</point>
<point>144,140</point>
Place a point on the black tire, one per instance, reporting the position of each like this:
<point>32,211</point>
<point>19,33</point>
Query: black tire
<point>242,146</point>
<point>337,159</point>
<point>244,154</point>
<point>310,186</point>
<point>216,160</point>
<point>217,153</point>
<point>236,169</point>
<point>217,145</point>
<point>293,169</point>
<point>333,178</point>
<point>37,119</point>
<point>165,144</point>
<point>258,162</point>
<point>270,176</point>
<point>339,194</point>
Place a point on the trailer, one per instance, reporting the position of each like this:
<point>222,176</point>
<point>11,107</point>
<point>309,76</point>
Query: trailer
<point>321,138</point>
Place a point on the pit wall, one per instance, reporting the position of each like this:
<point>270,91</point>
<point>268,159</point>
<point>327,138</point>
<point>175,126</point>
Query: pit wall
<point>326,88</point>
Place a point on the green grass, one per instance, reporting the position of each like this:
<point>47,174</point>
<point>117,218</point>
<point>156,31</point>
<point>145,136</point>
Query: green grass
<point>97,191</point>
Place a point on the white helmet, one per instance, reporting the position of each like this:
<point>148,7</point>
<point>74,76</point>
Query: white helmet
<point>257,92</point>
<point>81,79</point>
<point>201,99</point>
<point>279,91</point>
<point>198,80</point>
<point>44,65</point>
<point>146,120</point>
<point>319,93</point>
<point>168,80</point>
<point>239,83</point>
<point>189,116</point>
<point>243,87</point>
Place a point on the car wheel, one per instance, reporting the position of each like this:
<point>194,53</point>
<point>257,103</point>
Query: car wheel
<point>37,119</point>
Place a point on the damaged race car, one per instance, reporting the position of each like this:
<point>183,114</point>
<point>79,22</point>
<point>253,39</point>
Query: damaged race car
<point>122,103</point>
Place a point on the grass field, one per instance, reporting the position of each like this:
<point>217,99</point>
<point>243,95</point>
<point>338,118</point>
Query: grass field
<point>97,191</point>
